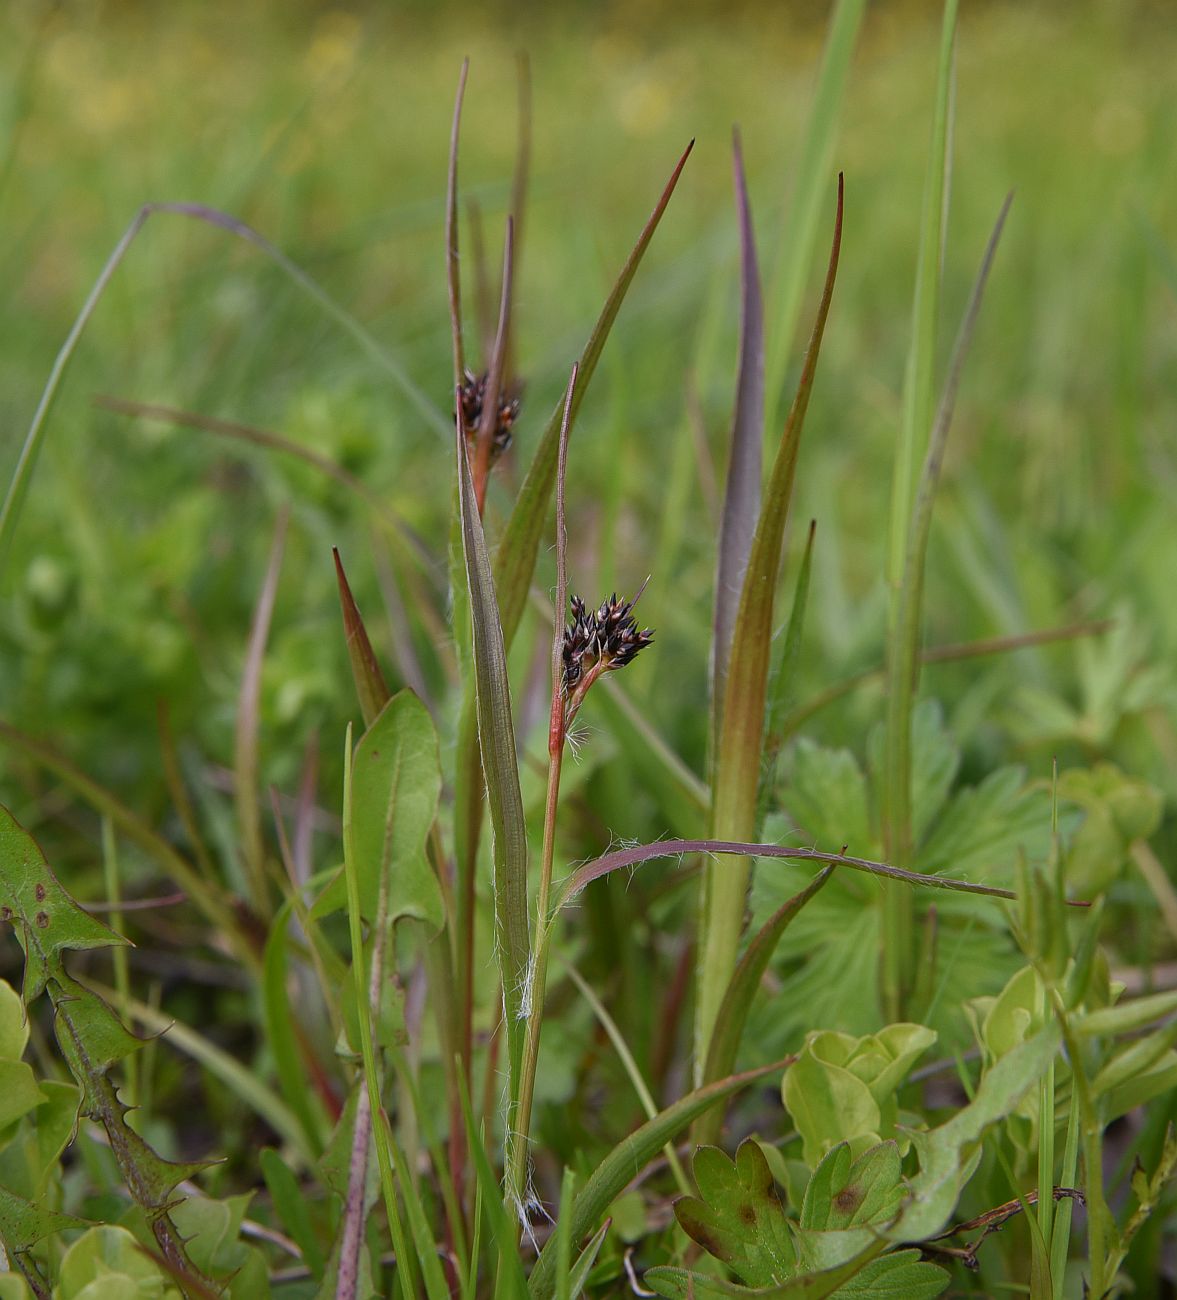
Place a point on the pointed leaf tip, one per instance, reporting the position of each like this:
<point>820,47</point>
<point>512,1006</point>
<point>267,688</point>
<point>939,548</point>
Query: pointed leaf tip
<point>371,688</point>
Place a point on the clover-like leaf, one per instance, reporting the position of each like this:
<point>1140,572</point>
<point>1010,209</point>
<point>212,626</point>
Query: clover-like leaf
<point>738,1217</point>
<point>848,1193</point>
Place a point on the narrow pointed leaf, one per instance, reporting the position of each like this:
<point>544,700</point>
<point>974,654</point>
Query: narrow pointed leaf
<point>515,558</point>
<point>738,754</point>
<point>745,980</point>
<point>799,235</point>
<point>741,503</point>
<point>621,859</point>
<point>453,281</point>
<point>496,737</point>
<point>371,688</point>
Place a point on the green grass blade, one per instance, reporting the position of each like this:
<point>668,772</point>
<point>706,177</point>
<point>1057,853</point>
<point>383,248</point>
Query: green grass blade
<point>920,375</point>
<point>905,652</point>
<point>627,1159</point>
<point>799,237</point>
<point>496,736</point>
<point>741,503</point>
<point>515,558</point>
<point>26,464</point>
<point>621,1047</point>
<point>453,280</point>
<point>738,754</point>
<point>510,1283</point>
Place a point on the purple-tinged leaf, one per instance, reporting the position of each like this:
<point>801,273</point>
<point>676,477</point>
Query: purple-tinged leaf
<point>371,689</point>
<point>629,857</point>
<point>741,502</point>
<point>741,733</point>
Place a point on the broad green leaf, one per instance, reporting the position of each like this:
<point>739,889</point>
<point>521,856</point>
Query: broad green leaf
<point>1139,1088</point>
<point>737,1216</point>
<point>14,1024</point>
<point>946,1153</point>
<point>741,734</point>
<point>396,785</point>
<point>19,1092</point>
<point>847,1193</point>
<point>826,797</point>
<point>1135,1060</point>
<point>212,1236</point>
<point>626,1159</point>
<point>46,919</point>
<point>899,1276</point>
<point>110,1250</point>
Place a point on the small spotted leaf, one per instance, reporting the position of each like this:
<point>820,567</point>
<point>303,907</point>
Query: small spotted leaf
<point>46,919</point>
<point>738,1217</point>
<point>845,1193</point>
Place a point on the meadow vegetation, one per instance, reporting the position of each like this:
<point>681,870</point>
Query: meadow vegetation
<point>551,863</point>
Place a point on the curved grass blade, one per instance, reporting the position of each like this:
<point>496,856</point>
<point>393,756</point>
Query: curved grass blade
<point>629,1157</point>
<point>22,476</point>
<point>741,735</point>
<point>904,664</point>
<point>741,502</point>
<point>629,857</point>
<point>406,538</point>
<point>799,237</point>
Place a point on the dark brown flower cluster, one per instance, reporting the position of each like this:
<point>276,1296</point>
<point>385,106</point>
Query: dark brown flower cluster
<point>472,395</point>
<point>599,641</point>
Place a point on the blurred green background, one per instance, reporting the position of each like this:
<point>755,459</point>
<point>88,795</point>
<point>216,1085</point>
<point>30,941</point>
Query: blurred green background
<point>142,547</point>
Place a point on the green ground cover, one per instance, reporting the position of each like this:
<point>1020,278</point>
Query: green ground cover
<point>137,562</point>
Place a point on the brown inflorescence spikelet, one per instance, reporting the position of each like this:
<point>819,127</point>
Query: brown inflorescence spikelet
<point>597,642</point>
<point>472,394</point>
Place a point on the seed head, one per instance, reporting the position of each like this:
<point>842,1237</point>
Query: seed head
<point>472,395</point>
<point>598,642</point>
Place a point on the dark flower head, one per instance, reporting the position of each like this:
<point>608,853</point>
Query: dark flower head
<point>472,395</point>
<point>599,642</point>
